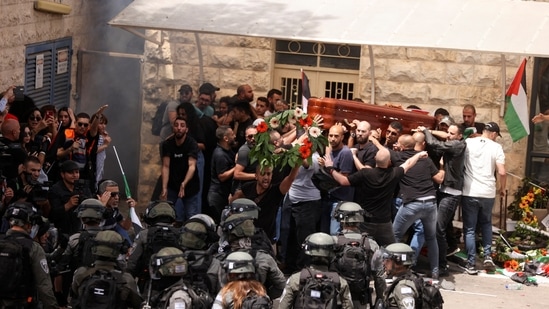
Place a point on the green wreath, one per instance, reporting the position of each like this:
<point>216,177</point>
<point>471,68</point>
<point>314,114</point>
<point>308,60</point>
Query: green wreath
<point>310,142</point>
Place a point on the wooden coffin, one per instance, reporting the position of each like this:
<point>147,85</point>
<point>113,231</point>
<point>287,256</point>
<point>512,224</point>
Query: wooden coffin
<point>333,110</point>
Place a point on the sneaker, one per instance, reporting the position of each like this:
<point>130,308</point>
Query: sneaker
<point>470,269</point>
<point>489,265</point>
<point>453,251</point>
<point>444,271</point>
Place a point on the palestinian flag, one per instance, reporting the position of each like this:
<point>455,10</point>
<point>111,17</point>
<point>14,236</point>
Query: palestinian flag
<point>516,115</point>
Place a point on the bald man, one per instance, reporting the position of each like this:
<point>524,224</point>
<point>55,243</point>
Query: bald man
<point>364,151</point>
<point>342,160</point>
<point>10,138</point>
<point>418,196</point>
<point>374,189</point>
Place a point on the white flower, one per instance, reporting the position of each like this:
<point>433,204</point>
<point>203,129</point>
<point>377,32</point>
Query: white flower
<point>274,123</point>
<point>298,112</point>
<point>314,132</point>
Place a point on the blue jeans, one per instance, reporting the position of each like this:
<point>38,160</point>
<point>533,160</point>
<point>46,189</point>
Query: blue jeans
<point>426,211</point>
<point>418,238</point>
<point>477,210</point>
<point>446,210</point>
<point>185,207</point>
<point>328,224</point>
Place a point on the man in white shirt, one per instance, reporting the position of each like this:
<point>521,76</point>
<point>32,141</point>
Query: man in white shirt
<point>483,157</point>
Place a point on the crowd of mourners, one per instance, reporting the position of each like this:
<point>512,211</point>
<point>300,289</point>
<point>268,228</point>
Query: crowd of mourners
<point>223,231</point>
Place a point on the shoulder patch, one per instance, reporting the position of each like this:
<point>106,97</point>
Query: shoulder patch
<point>44,265</point>
<point>406,290</point>
<point>408,303</point>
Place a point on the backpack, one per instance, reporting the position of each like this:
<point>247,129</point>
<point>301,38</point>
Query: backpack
<point>429,295</point>
<point>317,290</point>
<point>180,296</point>
<point>83,255</point>
<point>99,290</point>
<point>254,301</point>
<point>158,237</point>
<point>352,262</point>
<point>15,267</point>
<point>157,123</point>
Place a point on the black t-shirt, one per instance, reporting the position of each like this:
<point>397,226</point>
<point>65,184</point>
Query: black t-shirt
<point>268,202</point>
<point>179,163</point>
<point>417,182</point>
<point>66,221</point>
<point>222,161</point>
<point>367,155</point>
<point>374,190</point>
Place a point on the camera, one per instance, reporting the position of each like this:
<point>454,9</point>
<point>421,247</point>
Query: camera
<point>18,91</point>
<point>79,189</point>
<point>39,191</point>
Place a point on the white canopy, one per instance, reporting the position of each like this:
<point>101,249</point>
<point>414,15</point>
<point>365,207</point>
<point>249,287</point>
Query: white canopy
<point>496,26</point>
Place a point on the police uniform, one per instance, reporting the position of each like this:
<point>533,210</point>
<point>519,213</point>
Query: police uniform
<point>40,272</point>
<point>293,288</point>
<point>347,236</point>
<point>403,295</point>
<point>71,251</point>
<point>267,271</point>
<point>129,286</point>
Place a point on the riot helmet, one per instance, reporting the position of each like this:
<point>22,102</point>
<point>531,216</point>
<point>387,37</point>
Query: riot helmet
<point>349,212</point>
<point>109,244</point>
<point>159,211</point>
<point>400,253</point>
<point>168,262</point>
<point>319,245</point>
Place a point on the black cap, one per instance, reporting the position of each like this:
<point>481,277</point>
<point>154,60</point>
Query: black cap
<point>208,88</point>
<point>69,166</point>
<point>185,88</point>
<point>492,127</point>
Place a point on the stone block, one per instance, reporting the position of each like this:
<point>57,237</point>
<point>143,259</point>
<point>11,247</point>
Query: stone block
<point>487,76</point>
<point>256,59</point>
<point>226,57</point>
<point>459,74</point>
<point>442,95</point>
<point>432,72</point>
<point>399,70</point>
<point>402,93</point>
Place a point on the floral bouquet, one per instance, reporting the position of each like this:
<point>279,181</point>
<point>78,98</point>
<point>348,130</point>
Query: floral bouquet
<point>528,197</point>
<point>312,140</point>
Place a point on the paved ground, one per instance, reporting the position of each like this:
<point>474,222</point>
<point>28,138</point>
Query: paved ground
<point>488,291</point>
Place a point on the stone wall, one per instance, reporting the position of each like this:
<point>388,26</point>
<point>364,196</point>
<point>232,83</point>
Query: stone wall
<point>424,77</point>
<point>22,25</point>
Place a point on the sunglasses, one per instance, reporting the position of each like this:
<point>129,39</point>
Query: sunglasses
<point>33,118</point>
<point>115,194</point>
<point>85,125</point>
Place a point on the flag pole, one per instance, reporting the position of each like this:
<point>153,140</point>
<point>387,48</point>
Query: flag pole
<point>126,186</point>
<point>133,215</point>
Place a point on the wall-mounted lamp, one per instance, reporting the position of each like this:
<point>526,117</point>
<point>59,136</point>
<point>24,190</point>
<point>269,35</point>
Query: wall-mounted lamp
<point>52,7</point>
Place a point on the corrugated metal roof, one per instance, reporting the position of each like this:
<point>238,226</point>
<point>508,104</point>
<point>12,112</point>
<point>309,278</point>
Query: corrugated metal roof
<point>497,26</point>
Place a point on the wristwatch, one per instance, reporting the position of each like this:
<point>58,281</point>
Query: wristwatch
<point>330,169</point>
